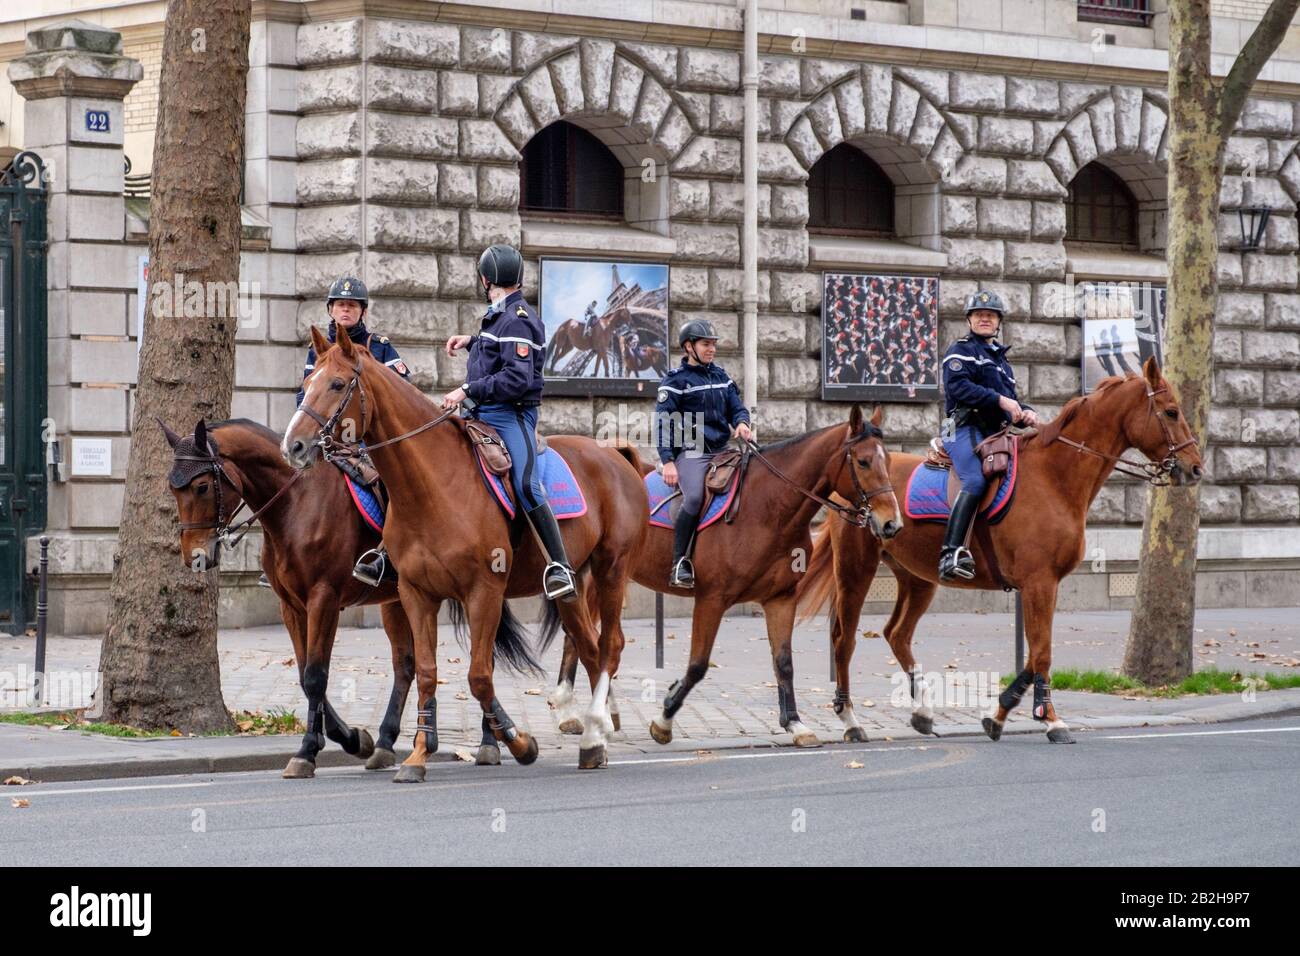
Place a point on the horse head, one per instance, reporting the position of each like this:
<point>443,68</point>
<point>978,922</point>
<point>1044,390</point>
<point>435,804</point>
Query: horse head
<point>868,472</point>
<point>333,403</point>
<point>207,497</point>
<point>1155,425</point>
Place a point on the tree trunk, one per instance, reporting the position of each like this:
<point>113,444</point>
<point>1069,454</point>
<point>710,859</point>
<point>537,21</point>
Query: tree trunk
<point>1201,116</point>
<point>159,660</point>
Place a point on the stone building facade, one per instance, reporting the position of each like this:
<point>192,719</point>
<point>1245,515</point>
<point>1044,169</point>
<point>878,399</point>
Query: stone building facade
<point>388,146</point>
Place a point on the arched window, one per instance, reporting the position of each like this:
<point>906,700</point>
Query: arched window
<point>849,193</point>
<point>567,170</point>
<point>1100,208</point>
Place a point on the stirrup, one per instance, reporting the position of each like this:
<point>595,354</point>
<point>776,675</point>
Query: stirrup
<point>262,581</point>
<point>960,564</point>
<point>370,567</point>
<point>567,589</point>
<point>683,575</point>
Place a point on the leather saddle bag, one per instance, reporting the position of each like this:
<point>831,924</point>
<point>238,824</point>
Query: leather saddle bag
<point>490,447</point>
<point>722,469</point>
<point>995,453</point>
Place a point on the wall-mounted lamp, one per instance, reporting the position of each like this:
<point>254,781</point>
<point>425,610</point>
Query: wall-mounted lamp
<point>1253,220</point>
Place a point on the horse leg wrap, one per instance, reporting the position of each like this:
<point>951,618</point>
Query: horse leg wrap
<point>1010,697</point>
<point>1042,697</point>
<point>499,722</point>
<point>426,722</point>
<point>489,738</point>
<point>673,702</point>
<point>785,699</point>
<point>841,702</point>
<point>316,727</point>
<point>915,683</point>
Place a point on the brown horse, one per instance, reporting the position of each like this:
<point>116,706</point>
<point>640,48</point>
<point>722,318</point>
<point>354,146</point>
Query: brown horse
<point>311,534</point>
<point>646,357</point>
<point>761,556</point>
<point>451,541</point>
<point>1041,540</point>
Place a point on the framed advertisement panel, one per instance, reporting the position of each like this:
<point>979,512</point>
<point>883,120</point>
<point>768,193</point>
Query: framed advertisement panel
<point>1123,325</point>
<point>606,326</point>
<point>880,337</point>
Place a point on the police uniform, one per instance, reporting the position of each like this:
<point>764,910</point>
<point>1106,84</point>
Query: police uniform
<point>504,378</point>
<point>697,407</point>
<point>379,347</point>
<point>976,376</point>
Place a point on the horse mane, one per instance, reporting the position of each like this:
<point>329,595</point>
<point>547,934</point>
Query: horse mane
<point>256,428</point>
<point>1047,434</point>
<point>794,440</point>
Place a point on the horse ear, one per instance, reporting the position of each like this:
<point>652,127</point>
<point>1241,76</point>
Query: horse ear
<point>1151,369</point>
<point>344,342</point>
<point>855,419</point>
<point>319,342</point>
<point>201,436</point>
<point>877,415</point>
<point>173,439</point>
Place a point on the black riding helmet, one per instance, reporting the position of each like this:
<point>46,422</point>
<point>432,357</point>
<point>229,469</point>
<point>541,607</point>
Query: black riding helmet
<point>348,287</point>
<point>502,266</point>
<point>696,329</point>
<point>986,300</point>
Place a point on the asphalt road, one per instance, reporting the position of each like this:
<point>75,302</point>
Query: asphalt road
<point>1224,795</point>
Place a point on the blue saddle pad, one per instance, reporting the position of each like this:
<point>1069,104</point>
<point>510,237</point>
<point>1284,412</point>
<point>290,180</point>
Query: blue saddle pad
<point>371,510</point>
<point>927,493</point>
<point>562,489</point>
<point>657,492</point>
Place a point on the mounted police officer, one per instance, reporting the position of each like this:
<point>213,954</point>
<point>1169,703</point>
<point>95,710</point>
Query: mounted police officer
<point>698,407</point>
<point>980,399</point>
<point>346,305</point>
<point>504,383</point>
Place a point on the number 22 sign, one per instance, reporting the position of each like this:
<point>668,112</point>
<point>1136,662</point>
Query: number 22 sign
<point>97,121</point>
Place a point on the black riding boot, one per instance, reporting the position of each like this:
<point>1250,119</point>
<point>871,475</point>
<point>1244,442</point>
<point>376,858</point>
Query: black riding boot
<point>557,580</point>
<point>373,567</point>
<point>683,572</point>
<point>955,560</point>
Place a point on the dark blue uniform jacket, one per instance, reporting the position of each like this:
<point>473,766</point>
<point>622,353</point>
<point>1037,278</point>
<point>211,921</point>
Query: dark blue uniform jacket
<point>709,396</point>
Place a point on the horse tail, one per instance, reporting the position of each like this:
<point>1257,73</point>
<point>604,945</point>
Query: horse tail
<point>817,586</point>
<point>510,645</point>
<point>550,625</point>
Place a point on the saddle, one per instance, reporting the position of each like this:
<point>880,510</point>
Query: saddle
<point>722,469</point>
<point>489,446</point>
<point>358,466</point>
<point>995,452</point>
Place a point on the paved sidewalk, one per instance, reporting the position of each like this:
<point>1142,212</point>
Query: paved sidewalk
<point>734,706</point>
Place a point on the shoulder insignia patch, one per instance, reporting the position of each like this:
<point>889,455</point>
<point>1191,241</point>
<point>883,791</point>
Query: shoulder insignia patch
<point>522,311</point>
<point>400,368</point>
<point>663,395</point>
<point>521,350</point>
<point>955,365</point>
<point>383,339</point>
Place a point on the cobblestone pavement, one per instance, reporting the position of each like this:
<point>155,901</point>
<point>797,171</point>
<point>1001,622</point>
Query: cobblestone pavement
<point>736,700</point>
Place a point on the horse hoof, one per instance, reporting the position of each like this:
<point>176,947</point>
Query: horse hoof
<point>592,758</point>
<point>660,735</point>
<point>855,735</point>
<point>807,740</point>
<point>923,725</point>
<point>524,748</point>
<point>381,759</point>
<point>571,725</point>
<point>1059,735</point>
<point>489,755</point>
<point>365,744</point>
<point>409,773</point>
<point>992,728</point>
<point>618,724</point>
<point>299,768</point>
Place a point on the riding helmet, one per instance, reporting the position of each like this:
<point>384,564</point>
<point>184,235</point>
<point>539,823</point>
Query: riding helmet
<point>985,300</point>
<point>501,265</point>
<point>696,329</point>
<point>348,287</point>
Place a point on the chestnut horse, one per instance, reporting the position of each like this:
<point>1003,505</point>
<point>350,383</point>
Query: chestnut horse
<point>311,534</point>
<point>1061,468</point>
<point>450,540</point>
<point>761,556</point>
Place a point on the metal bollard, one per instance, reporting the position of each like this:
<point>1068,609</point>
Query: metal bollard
<point>659,631</point>
<point>41,610</point>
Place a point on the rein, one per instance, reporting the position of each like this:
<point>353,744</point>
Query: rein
<point>859,514</point>
<point>1153,473</point>
<point>221,526</point>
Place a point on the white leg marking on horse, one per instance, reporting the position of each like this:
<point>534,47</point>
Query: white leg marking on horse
<point>848,717</point>
<point>594,731</point>
<point>921,698</point>
<point>797,728</point>
<point>565,701</point>
<point>1057,724</point>
<point>662,722</point>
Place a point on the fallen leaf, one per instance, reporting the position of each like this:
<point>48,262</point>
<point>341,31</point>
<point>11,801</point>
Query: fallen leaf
<point>465,755</point>
<point>19,803</point>
<point>453,660</point>
<point>713,663</point>
<point>1232,632</point>
<point>951,665</point>
<point>534,692</point>
<point>177,733</point>
<point>16,781</point>
<point>855,765</point>
<point>868,703</point>
<point>287,662</point>
<point>1211,643</point>
<point>442,680</point>
<point>1251,643</point>
<point>461,695</point>
<point>870,635</point>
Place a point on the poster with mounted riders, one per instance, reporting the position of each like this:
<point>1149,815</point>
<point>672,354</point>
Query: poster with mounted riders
<point>1123,326</point>
<point>880,337</point>
<point>606,326</point>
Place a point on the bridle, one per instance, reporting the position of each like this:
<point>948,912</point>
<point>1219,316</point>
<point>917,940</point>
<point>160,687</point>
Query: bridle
<point>332,447</point>
<point>1153,473</point>
<point>220,527</point>
<point>859,514</point>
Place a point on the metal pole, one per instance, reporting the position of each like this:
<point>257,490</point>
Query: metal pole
<point>1020,635</point>
<point>41,606</point>
<point>659,631</point>
<point>749,292</point>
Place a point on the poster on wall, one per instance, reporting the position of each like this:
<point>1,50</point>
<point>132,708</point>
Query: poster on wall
<point>1123,325</point>
<point>606,326</point>
<point>880,337</point>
